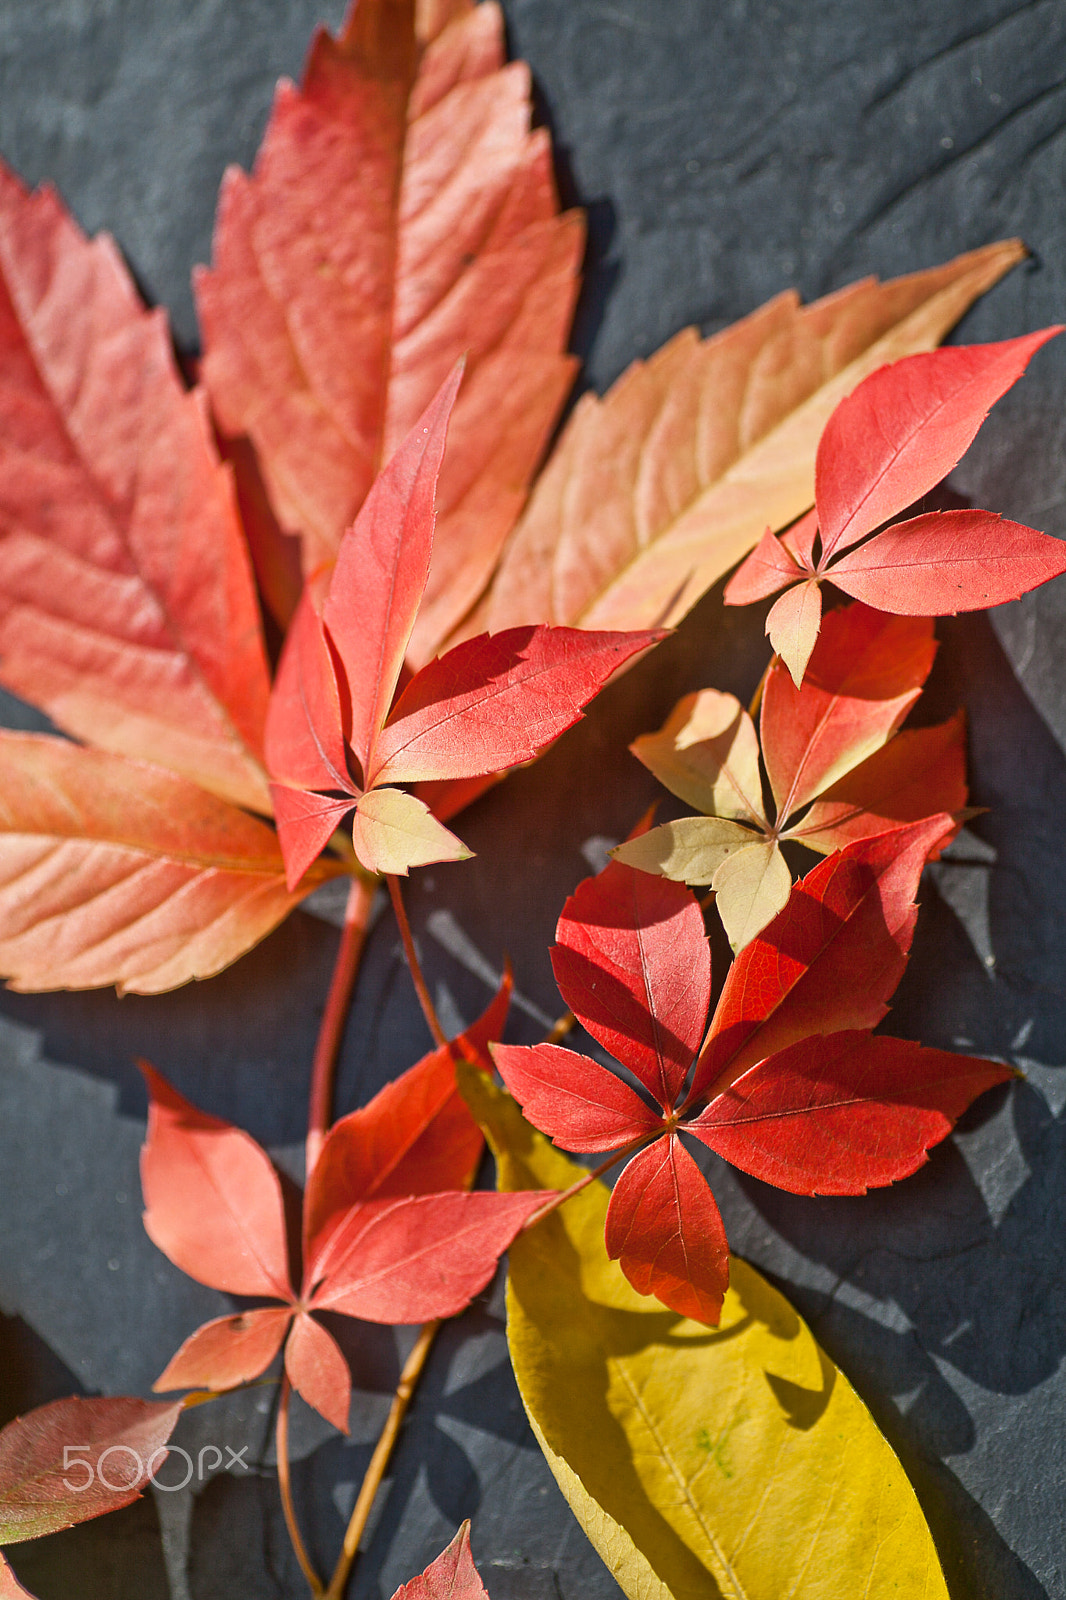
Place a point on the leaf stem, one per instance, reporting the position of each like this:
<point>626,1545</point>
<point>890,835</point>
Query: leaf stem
<point>379,1461</point>
<point>285,1486</point>
<point>560,1028</point>
<point>335,1015</point>
<point>429,1010</point>
<point>562,1195</point>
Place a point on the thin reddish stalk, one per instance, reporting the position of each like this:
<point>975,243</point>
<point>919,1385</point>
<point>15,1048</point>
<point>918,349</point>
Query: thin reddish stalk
<point>560,1028</point>
<point>335,1015</point>
<point>429,1010</point>
<point>285,1486</point>
<point>379,1461</point>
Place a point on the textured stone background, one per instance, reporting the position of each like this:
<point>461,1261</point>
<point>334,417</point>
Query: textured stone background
<point>726,149</point>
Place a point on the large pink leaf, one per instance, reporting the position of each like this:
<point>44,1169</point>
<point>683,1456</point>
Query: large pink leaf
<point>213,1202</point>
<point>415,1259</point>
<point>381,571</point>
<point>843,1114</point>
<point>127,605</point>
<point>948,561</point>
<point>452,1576</point>
<point>318,1370</point>
<point>665,1230</point>
<point>416,1136</point>
<point>401,213</point>
<point>866,672</point>
<point>904,428</point>
<point>118,1442</point>
<point>576,1102</point>
<point>828,961</point>
<point>633,964</point>
<point>228,1351</point>
<point>497,700</point>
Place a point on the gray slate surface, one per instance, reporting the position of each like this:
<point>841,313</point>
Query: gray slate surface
<point>726,149</point>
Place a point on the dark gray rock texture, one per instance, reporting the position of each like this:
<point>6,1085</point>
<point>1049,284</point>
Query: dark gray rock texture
<point>725,149</point>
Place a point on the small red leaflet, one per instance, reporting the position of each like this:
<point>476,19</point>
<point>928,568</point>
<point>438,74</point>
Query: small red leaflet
<point>884,447</point>
<point>453,1576</point>
<point>390,1231</point>
<point>789,1083</point>
<point>336,742</point>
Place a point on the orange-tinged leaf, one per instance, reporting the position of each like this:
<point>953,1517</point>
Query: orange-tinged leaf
<point>751,886</point>
<point>228,1351</point>
<point>318,1371</point>
<point>865,673</point>
<point>918,773</point>
<point>113,871</point>
<point>452,1576</point>
<point>400,213</point>
<point>707,753</point>
<point>393,832</point>
<point>127,603</point>
<point>304,729</point>
<point>659,488</point>
<point>792,626</point>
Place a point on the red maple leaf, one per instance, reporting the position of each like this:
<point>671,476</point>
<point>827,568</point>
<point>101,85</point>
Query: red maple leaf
<point>391,1232</point>
<point>884,447</point>
<point>789,1084</point>
<point>336,741</point>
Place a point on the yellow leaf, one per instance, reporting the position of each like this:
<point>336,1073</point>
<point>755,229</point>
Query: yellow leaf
<point>707,753</point>
<point>657,489</point>
<point>392,832</point>
<point>751,887</point>
<point>704,1464</point>
<point>690,850</point>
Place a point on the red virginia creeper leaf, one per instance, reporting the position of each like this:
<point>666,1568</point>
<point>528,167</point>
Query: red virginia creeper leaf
<point>633,964</point>
<point>228,1351</point>
<point>497,700</point>
<point>576,1102</point>
<point>904,429</point>
<point>949,561</point>
<point>768,568</point>
<point>843,1114</point>
<point>792,625</point>
<point>665,1231</point>
<point>305,730</point>
<point>918,773</point>
<point>453,1576</point>
<point>119,1440</point>
<point>400,214</point>
<point>127,605</point>
<point>864,675</point>
<point>381,571</point>
<point>829,960</point>
<point>415,1259</point>
<point>113,871</point>
<point>213,1202</point>
<point>416,1136</point>
<point>318,1371</point>
<point>306,823</point>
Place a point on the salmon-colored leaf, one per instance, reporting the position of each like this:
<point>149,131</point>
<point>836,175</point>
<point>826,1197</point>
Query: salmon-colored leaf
<point>415,1136</point>
<point>665,1231</point>
<point>452,1576</point>
<point>318,1371</point>
<point>228,1351</point>
<point>400,213</point>
<point>765,570</point>
<point>381,571</point>
<point>576,1102</point>
<point>113,871</point>
<point>305,729</point>
<point>864,674</point>
<point>828,961</point>
<point>394,831</point>
<point>127,603</point>
<point>117,1441</point>
<point>918,773</point>
<point>497,700</point>
<point>656,490</point>
<point>213,1201</point>
<point>949,561</point>
<point>842,1114</point>
<point>633,964</point>
<point>415,1259</point>
<point>904,429</point>
<point>792,625</point>
<point>707,753</point>
<point>306,823</point>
